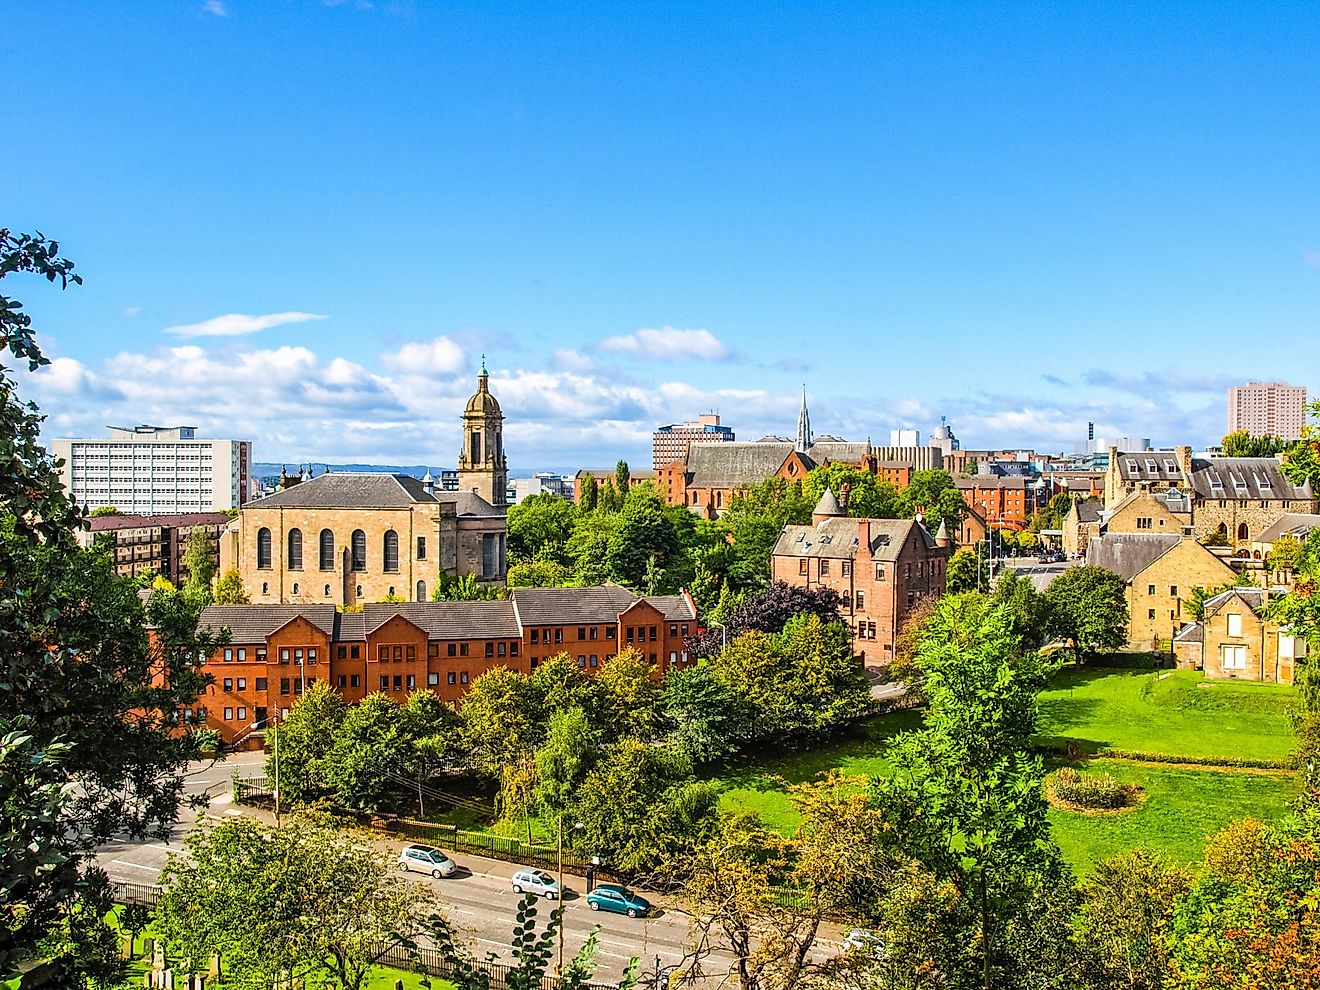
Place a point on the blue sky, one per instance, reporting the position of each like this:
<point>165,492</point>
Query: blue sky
<point>302,222</point>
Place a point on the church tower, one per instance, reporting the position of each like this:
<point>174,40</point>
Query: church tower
<point>481,465</point>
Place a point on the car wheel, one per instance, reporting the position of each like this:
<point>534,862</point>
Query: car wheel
<point>549,895</point>
<point>517,889</point>
<point>437,874</point>
<point>632,912</point>
<point>595,906</point>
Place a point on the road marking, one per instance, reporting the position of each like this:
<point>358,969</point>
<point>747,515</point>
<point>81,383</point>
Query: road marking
<point>136,866</point>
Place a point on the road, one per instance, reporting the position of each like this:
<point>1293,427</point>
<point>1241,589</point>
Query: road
<point>478,899</point>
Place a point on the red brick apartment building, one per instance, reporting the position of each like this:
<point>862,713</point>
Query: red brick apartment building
<point>1004,503</point>
<point>440,646</point>
<point>881,569</point>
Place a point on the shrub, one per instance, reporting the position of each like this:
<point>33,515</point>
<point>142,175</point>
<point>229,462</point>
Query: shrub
<point>1101,791</point>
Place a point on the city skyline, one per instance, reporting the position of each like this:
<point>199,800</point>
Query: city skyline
<point>1023,219</point>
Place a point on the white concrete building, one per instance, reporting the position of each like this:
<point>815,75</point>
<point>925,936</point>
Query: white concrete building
<point>150,470</point>
<point>1267,408</point>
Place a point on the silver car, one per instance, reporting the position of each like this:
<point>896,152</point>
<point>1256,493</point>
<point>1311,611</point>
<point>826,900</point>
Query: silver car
<point>536,882</point>
<point>426,859</point>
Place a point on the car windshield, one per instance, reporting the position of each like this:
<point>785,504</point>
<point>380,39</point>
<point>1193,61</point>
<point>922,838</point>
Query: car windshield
<point>545,878</point>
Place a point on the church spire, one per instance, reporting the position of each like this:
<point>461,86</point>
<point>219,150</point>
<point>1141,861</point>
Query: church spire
<point>804,425</point>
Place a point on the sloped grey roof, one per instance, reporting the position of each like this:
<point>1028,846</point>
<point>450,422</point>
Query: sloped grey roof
<point>350,491</point>
<point>468,504</point>
<point>729,465</point>
<point>1254,598</point>
<point>253,623</point>
<point>1087,512</point>
<point>838,451</point>
<point>840,538</point>
<point>1128,554</point>
<point>1150,465</point>
<point>1193,633</point>
<point>585,606</point>
<point>676,608</point>
<point>449,620</point>
<point>1296,524</point>
<point>100,524</point>
<point>1244,477</point>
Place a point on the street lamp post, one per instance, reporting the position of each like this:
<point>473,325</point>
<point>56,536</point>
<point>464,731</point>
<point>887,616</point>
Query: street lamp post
<point>724,634</point>
<point>559,963</point>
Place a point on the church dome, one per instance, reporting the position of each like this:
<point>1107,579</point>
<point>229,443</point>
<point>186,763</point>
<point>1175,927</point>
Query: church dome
<point>482,402</point>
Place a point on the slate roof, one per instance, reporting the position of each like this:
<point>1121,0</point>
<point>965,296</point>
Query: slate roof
<point>253,623</point>
<point>1087,512</point>
<point>1244,477</point>
<point>840,538</point>
<point>366,490</point>
<point>1254,597</point>
<point>1150,465</point>
<point>731,465</point>
<point>101,524</point>
<point>676,608</point>
<point>449,620</point>
<point>1296,524</point>
<point>828,505</point>
<point>581,606</point>
<point>1128,554</point>
<point>1193,633</point>
<point>841,451</point>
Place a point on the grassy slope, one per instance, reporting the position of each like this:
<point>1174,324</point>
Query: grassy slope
<point>1177,712</point>
<point>1180,714</point>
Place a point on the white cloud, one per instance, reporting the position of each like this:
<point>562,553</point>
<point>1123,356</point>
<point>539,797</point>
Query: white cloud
<point>216,7</point>
<point>669,343</point>
<point>440,356</point>
<point>238,324</point>
<point>128,312</point>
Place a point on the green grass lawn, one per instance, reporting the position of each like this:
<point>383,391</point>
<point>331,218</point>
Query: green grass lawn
<point>1176,712</point>
<point>1182,807</point>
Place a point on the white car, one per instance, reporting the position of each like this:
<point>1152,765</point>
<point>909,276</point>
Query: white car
<point>536,882</point>
<point>861,940</point>
<point>426,859</point>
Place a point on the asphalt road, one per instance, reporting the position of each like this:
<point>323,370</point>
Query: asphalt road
<point>478,899</point>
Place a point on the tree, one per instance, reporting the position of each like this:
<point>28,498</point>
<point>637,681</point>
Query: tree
<point>610,500</point>
<point>1285,553</point>
<point>559,683</point>
<point>644,535</point>
<point>705,717</point>
<point>539,528</point>
<point>1240,443</point>
<point>590,494</point>
<point>1125,916</point>
<point>570,750</point>
<point>631,700</point>
<point>463,588</point>
<point>501,717</point>
<point>588,548</point>
<point>769,611</point>
<point>539,574</point>
<point>866,495</point>
<point>382,746</point>
<point>1301,461</point>
<point>622,478</point>
<point>638,809</point>
<point>1026,607</point>
<point>1249,918</point>
<point>1088,609</point>
<point>751,524</point>
<point>964,570</point>
<point>104,510</point>
<point>229,589</point>
<point>304,900</point>
<point>305,740</point>
<point>88,705</point>
<point>967,795</point>
<point>935,494</point>
<point>199,562</point>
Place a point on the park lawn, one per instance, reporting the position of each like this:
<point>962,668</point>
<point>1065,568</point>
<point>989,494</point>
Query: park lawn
<point>1183,806</point>
<point>1175,712</point>
<point>757,782</point>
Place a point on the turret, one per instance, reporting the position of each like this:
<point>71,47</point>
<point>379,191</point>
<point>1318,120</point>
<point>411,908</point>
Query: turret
<point>827,508</point>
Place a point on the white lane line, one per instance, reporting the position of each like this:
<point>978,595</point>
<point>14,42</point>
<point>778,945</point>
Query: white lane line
<point>136,866</point>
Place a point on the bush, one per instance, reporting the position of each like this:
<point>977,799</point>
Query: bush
<point>1101,791</point>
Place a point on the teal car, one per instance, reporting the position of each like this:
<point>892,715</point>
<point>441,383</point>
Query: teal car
<point>620,900</point>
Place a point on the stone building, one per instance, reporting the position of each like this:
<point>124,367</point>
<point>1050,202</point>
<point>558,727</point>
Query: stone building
<point>274,651</point>
<point>1151,512</point>
<point>881,569</point>
<point>1079,526</point>
<point>1234,641</point>
<point>141,545</point>
<point>1234,498</point>
<point>346,539</point>
<point>1160,570</point>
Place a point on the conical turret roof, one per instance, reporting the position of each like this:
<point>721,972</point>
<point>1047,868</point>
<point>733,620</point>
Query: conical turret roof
<point>828,504</point>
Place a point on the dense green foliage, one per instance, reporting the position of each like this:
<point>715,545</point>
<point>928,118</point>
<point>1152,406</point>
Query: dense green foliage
<point>1240,443</point>
<point>1088,609</point>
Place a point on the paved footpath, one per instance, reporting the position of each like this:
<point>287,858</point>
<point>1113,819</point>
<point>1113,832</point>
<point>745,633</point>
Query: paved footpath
<point>478,899</point>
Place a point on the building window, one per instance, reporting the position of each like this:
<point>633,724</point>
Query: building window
<point>582,661</point>
<point>501,648</point>
<point>343,680</point>
<point>451,678</point>
<point>559,636</point>
<point>802,566</point>
<point>398,651</point>
<point>451,649</point>
<point>1243,532</point>
<point>1287,647</point>
<point>432,679</point>
<point>421,591</point>
<point>592,632</point>
<point>261,684</point>
<point>879,572</point>
<point>861,600</point>
<point>1173,591</point>
<point>410,652</point>
<point>1150,589</point>
<point>582,632</point>
<point>284,654</point>
<point>1234,624</point>
<point>327,550</point>
<point>261,654</point>
<point>536,636</point>
<point>655,633</point>
<point>847,599</point>
<point>284,685</point>
<point>489,555</point>
<point>263,551</point>
<point>490,649</point>
<point>355,680</point>
<point>463,677</point>
<point>412,682</point>
<point>513,648</point>
<point>391,550</point>
<point>421,548</point>
<point>432,650</point>
<point>265,588</point>
<point>384,682</point>
<point>353,651</point>
<point>327,591</point>
<point>462,649</point>
<point>1234,657</point>
<point>295,549</point>
<point>229,655</point>
<point>359,552</point>
<point>824,567</point>
<point>1150,613</point>
<point>227,684</point>
<point>229,714</point>
<point>845,568</point>
<point>1143,522</point>
<point>295,587</point>
<point>242,683</point>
